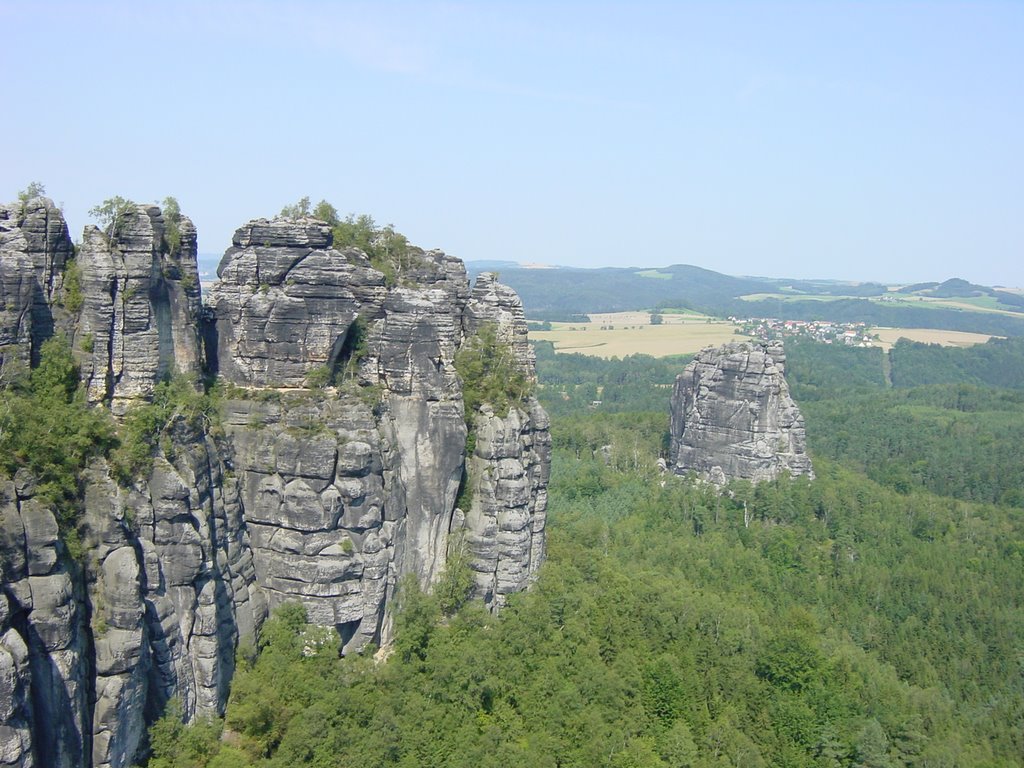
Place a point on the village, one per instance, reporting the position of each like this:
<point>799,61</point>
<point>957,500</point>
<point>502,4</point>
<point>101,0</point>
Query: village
<point>768,328</point>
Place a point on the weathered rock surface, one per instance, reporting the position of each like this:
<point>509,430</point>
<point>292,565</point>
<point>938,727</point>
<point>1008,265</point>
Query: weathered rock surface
<point>285,302</point>
<point>509,472</point>
<point>43,638</point>
<point>422,423</point>
<point>171,587</point>
<point>311,488</point>
<point>510,466</point>
<point>732,416</point>
<point>140,313</point>
<point>494,303</point>
<point>34,247</point>
<point>328,496</point>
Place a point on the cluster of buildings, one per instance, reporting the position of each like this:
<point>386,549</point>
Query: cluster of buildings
<point>768,328</point>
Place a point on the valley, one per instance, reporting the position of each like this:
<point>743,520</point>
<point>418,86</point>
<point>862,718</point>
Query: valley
<point>618,334</point>
<point>681,332</point>
<point>567,295</point>
<point>512,385</point>
<point>390,527</point>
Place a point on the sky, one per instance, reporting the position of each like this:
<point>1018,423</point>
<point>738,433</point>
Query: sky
<point>847,140</point>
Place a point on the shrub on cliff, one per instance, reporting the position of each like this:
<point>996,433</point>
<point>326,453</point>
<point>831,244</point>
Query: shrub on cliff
<point>144,426</point>
<point>172,224</point>
<point>388,250</point>
<point>111,214</point>
<point>47,428</point>
<point>33,190</point>
<point>490,373</point>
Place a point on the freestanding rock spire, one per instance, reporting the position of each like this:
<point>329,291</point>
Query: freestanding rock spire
<point>140,306</point>
<point>34,247</point>
<point>733,418</point>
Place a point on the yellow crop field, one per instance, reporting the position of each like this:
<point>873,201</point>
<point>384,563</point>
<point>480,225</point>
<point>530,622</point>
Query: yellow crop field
<point>628,333</point>
<point>889,336</point>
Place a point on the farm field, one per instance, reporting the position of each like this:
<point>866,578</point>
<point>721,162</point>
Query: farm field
<point>970,304</point>
<point>617,334</point>
<point>889,336</point>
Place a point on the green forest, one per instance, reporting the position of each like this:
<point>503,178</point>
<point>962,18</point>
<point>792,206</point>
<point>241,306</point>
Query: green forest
<point>871,617</point>
<point>950,423</point>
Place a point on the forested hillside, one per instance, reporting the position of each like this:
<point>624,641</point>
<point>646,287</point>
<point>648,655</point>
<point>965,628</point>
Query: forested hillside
<point>574,382</point>
<point>943,426</point>
<point>871,617</point>
<point>998,363</point>
<point>554,294</point>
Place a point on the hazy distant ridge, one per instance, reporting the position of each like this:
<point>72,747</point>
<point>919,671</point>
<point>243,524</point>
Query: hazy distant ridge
<point>561,292</point>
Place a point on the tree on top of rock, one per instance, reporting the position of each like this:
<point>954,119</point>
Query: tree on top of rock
<point>33,190</point>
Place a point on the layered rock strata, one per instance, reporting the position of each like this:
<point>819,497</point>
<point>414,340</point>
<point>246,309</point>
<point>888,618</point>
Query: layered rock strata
<point>44,638</point>
<point>509,468</point>
<point>285,301</point>
<point>732,416</point>
<point>139,321</point>
<point>332,474</point>
<point>34,248</point>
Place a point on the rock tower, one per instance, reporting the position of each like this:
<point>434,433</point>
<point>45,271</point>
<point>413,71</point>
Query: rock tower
<point>732,416</point>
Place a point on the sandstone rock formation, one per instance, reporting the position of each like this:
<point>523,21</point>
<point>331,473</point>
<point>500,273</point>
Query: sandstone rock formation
<point>44,670</point>
<point>285,300</point>
<point>509,468</point>
<point>326,494</point>
<point>732,416</point>
<point>34,247</point>
<point>140,306</point>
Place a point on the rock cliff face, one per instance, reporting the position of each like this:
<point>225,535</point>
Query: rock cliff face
<point>44,669</point>
<point>140,307</point>
<point>285,300</point>
<point>34,247</point>
<point>510,465</point>
<point>732,416</point>
<point>332,474</point>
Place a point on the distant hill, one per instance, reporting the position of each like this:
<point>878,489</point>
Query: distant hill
<point>550,294</point>
<point>958,288</point>
<point>832,288</point>
<point>955,287</point>
<point>917,287</point>
<point>564,293</point>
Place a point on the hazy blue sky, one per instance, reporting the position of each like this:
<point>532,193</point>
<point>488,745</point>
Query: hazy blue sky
<point>866,140</point>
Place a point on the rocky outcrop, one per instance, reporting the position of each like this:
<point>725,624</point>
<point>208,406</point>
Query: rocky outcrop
<point>34,248</point>
<point>498,305</point>
<point>732,416</point>
<point>316,512</point>
<point>349,489</point>
<point>155,608</point>
<point>171,585</point>
<point>140,307</point>
<point>285,301</point>
<point>44,668</point>
<point>508,470</point>
<point>332,474</point>
<point>412,356</point>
